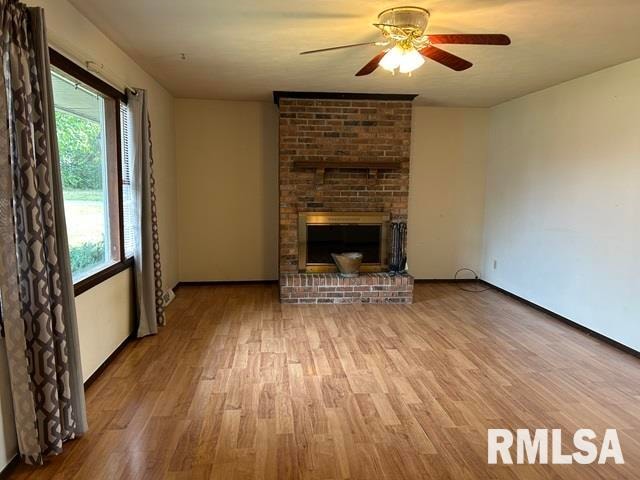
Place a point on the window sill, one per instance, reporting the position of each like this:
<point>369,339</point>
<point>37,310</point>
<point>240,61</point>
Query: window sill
<point>97,278</point>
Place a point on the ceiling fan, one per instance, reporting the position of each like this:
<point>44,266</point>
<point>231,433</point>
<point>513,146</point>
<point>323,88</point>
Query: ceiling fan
<point>403,30</point>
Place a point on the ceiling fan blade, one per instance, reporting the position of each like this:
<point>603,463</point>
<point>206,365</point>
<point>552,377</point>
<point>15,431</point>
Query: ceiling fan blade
<point>372,65</point>
<point>445,58</point>
<point>471,38</point>
<point>338,48</point>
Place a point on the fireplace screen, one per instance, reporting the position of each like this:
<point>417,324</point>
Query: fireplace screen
<point>323,240</point>
<point>321,234</point>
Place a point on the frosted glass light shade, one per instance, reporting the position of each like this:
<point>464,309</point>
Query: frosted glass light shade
<point>410,61</point>
<point>405,59</point>
<point>392,59</point>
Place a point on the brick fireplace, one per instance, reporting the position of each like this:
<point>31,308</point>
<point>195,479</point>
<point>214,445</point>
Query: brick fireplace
<point>346,154</point>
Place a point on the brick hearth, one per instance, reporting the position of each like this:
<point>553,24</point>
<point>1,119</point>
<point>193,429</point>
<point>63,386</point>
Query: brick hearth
<point>332,288</point>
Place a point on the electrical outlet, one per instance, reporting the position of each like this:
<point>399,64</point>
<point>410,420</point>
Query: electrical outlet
<point>167,297</point>
<point>495,264</point>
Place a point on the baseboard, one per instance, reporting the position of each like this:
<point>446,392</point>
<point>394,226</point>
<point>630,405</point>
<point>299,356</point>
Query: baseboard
<point>445,280</point>
<point>210,283</point>
<point>204,283</point>
<point>567,321</point>
<point>92,378</point>
<point>13,463</point>
<point>213,283</point>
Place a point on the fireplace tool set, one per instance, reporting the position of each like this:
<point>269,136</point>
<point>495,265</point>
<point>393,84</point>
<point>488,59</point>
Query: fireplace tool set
<point>398,261</point>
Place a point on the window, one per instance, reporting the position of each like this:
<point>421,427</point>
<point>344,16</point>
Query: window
<point>127,191</point>
<point>92,129</point>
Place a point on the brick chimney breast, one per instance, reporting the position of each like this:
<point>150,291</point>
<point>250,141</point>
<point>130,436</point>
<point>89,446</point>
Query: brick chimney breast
<point>352,131</point>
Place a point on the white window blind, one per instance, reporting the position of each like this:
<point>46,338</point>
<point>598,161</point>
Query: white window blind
<point>127,191</point>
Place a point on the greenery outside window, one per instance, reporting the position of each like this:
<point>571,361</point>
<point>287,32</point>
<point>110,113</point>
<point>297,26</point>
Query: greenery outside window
<point>85,135</point>
<point>91,119</point>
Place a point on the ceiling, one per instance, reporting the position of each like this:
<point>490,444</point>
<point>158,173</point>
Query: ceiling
<point>245,49</point>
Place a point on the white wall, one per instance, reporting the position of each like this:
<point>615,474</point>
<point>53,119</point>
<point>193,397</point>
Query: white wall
<point>563,200</point>
<point>104,312</point>
<point>446,191</point>
<point>227,154</point>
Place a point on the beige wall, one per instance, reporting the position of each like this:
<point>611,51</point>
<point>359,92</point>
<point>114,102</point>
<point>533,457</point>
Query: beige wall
<point>562,172</point>
<point>446,193</point>
<point>227,156</point>
<point>73,35</point>
<point>227,190</point>
<point>563,197</point>
<point>104,312</point>
<point>105,319</point>
<point>8,440</point>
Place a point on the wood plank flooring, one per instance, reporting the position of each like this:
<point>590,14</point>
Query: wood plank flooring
<point>239,386</point>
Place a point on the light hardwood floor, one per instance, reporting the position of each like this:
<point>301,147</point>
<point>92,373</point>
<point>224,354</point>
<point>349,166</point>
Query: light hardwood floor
<point>239,386</point>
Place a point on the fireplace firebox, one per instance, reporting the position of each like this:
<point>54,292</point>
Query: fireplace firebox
<point>320,234</point>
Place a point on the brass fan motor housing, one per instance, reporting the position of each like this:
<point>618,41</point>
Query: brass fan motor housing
<point>404,24</point>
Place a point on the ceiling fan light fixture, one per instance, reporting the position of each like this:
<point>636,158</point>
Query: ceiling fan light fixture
<point>404,28</point>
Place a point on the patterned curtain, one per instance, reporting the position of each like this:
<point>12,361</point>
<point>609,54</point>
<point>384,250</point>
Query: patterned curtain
<point>148,273</point>
<point>37,304</point>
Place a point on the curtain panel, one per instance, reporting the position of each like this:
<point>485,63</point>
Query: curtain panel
<point>148,272</point>
<point>37,300</point>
